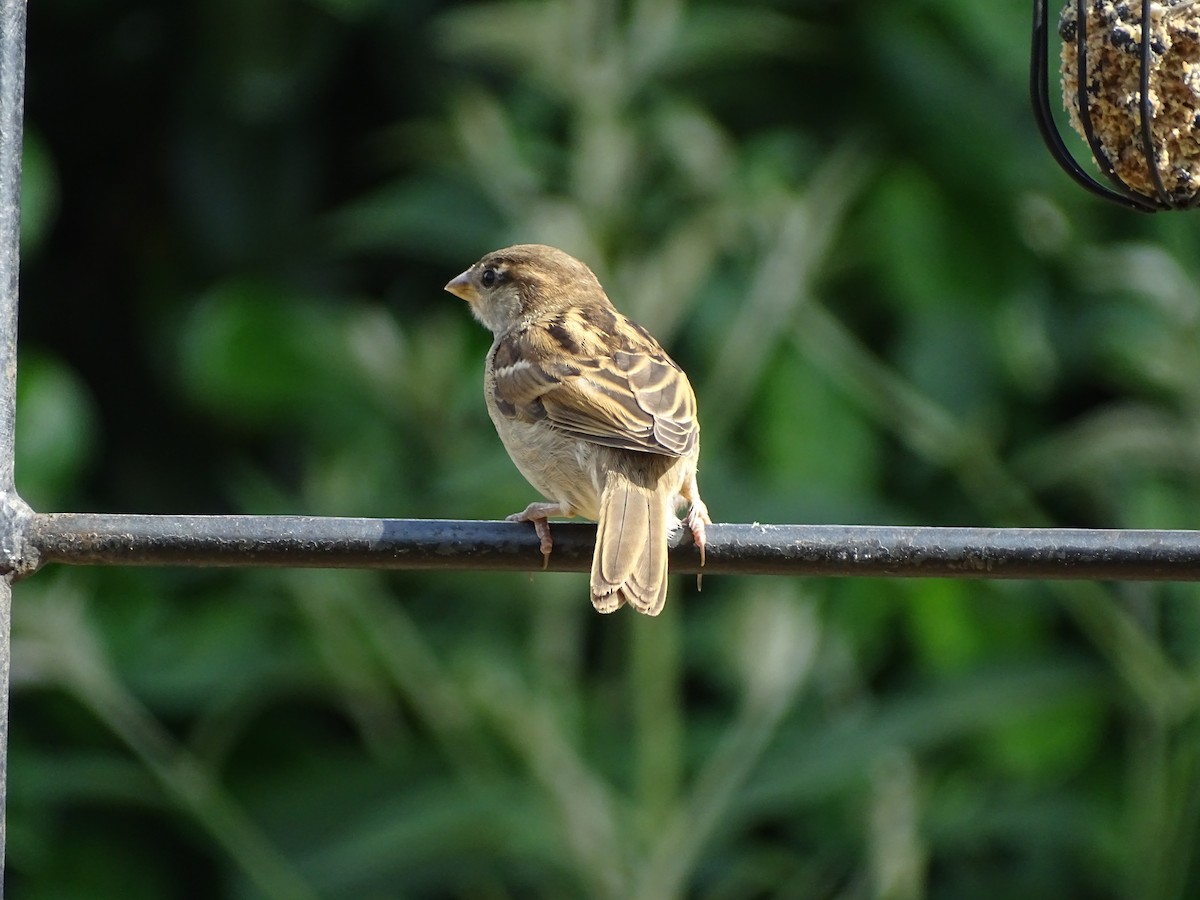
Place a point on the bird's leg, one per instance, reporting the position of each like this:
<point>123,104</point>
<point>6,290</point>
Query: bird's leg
<point>539,514</point>
<point>696,518</point>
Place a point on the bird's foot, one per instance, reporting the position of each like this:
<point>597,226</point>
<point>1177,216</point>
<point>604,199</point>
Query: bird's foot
<point>695,520</point>
<point>538,514</point>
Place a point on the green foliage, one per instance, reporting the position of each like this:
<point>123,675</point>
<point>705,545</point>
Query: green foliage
<point>894,308</point>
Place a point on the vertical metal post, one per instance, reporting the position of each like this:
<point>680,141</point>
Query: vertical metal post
<point>12,97</point>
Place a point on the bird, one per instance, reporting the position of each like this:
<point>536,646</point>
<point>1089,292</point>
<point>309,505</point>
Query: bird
<point>593,412</point>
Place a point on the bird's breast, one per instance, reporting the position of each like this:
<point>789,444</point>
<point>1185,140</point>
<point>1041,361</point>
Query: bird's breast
<point>561,467</point>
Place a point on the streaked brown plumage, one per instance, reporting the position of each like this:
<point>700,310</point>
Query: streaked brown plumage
<point>593,412</point>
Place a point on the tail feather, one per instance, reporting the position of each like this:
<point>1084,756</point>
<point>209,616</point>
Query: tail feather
<point>630,564</point>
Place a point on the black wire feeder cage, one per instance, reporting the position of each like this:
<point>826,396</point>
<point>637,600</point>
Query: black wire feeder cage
<point>1130,73</point>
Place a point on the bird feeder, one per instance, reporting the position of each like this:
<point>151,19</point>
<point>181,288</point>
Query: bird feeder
<point>1130,73</point>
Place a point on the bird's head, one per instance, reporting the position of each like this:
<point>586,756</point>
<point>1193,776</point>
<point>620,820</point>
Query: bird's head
<point>521,283</point>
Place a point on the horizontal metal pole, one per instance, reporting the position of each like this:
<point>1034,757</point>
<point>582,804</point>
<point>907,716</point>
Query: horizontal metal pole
<point>88,539</point>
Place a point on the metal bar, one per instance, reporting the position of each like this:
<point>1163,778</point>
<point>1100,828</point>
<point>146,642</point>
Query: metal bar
<point>12,510</point>
<point>1146,108</point>
<point>12,91</point>
<point>825,550</point>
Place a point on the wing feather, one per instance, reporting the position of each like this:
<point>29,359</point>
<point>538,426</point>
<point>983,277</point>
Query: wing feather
<point>634,397</point>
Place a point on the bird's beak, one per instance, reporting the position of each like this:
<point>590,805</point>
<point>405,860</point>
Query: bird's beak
<point>462,287</point>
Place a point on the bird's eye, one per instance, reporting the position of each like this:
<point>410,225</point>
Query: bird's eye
<point>488,278</point>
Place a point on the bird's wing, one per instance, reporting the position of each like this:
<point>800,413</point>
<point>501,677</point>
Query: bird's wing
<point>617,388</point>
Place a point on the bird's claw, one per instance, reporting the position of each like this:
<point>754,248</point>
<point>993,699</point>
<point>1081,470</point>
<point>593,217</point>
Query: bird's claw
<point>546,543</point>
<point>538,514</point>
<point>695,520</point>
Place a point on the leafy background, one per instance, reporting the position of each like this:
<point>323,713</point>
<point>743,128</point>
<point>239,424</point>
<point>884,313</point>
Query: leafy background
<point>894,307</point>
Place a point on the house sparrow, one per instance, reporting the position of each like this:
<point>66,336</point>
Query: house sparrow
<point>593,412</point>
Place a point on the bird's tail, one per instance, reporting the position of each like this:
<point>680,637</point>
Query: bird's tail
<point>630,564</point>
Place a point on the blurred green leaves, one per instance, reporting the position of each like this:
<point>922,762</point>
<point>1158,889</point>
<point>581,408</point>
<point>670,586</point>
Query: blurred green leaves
<point>839,219</point>
<point>257,353</point>
<point>57,434</point>
<point>39,193</point>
